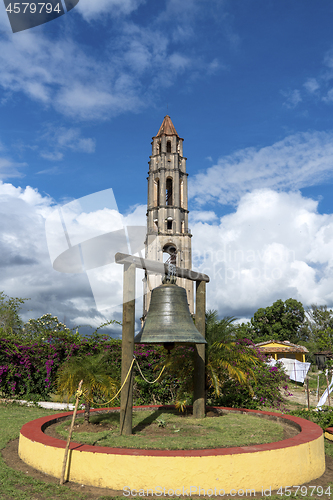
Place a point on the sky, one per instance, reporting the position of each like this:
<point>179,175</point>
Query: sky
<point>247,84</point>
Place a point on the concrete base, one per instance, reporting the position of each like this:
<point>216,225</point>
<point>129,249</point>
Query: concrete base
<point>292,461</point>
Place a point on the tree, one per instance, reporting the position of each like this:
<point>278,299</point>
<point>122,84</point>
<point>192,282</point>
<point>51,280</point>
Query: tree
<point>219,330</point>
<point>245,331</point>
<point>281,321</point>
<point>96,381</point>
<point>48,328</point>
<point>320,327</point>
<point>10,321</point>
<point>225,359</point>
<point>230,361</point>
<point>319,317</point>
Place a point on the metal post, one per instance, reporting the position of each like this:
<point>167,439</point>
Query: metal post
<point>127,350</point>
<point>199,402</point>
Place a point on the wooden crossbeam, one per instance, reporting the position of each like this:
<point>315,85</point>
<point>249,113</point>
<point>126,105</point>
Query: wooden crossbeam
<point>159,267</point>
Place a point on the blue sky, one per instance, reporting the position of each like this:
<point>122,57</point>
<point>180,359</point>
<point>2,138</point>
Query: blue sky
<point>248,85</point>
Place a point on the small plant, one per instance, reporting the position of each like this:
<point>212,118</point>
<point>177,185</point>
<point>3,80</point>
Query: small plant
<point>161,422</point>
<point>181,405</point>
<point>97,383</point>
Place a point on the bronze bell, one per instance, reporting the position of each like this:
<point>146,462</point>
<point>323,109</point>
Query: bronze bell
<point>169,320</point>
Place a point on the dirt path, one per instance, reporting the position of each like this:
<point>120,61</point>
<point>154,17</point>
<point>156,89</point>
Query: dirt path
<point>299,396</point>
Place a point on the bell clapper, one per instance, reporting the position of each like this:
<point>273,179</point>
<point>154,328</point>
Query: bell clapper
<point>168,346</point>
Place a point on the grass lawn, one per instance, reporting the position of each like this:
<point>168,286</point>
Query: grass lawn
<point>173,431</point>
<point>16,485</point>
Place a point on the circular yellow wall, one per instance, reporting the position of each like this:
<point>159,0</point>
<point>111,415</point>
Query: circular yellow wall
<point>293,461</point>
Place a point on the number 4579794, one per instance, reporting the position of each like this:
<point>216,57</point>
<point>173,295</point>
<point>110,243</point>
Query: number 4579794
<point>32,8</point>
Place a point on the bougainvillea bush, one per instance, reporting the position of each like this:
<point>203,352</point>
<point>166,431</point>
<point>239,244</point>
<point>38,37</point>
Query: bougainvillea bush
<point>30,369</point>
<point>30,360</point>
<point>151,360</point>
<point>31,357</point>
<point>266,385</point>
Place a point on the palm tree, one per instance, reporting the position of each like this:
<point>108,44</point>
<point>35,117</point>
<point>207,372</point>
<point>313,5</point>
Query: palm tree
<point>96,381</point>
<point>221,330</point>
<point>226,358</point>
<point>229,360</point>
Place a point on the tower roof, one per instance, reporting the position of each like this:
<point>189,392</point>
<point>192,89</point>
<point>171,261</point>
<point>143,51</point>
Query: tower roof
<point>167,127</point>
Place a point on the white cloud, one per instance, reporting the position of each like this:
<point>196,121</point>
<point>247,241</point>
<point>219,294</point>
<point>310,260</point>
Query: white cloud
<point>317,87</point>
<point>328,58</point>
<point>10,169</point>
<point>311,85</point>
<point>95,9</point>
<point>50,171</point>
<point>61,139</point>
<point>26,268</point>
<point>88,102</point>
<point>71,139</point>
<point>202,216</point>
<point>133,65</point>
<point>297,161</point>
<point>52,156</point>
<point>274,246</point>
<point>293,97</point>
<point>328,98</point>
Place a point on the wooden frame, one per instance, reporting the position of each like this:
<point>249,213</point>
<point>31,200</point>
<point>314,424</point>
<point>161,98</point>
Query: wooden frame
<point>130,264</point>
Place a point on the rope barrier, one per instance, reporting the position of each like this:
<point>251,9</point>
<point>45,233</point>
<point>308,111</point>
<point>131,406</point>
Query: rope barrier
<point>144,378</point>
<point>80,393</point>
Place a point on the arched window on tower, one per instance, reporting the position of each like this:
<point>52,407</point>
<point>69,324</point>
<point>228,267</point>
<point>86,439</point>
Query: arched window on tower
<point>181,192</point>
<point>169,191</point>
<point>156,193</point>
<point>170,253</point>
<point>168,146</point>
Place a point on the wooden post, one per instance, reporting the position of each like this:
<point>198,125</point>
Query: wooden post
<point>328,390</point>
<point>126,402</point>
<point>318,389</point>
<point>62,477</point>
<point>308,393</point>
<point>199,403</point>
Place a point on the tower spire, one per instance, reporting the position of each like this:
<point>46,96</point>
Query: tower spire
<point>167,127</point>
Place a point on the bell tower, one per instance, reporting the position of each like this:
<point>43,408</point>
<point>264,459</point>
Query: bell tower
<point>168,236</point>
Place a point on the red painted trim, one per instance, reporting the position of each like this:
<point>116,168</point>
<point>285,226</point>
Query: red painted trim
<point>329,430</point>
<point>309,432</point>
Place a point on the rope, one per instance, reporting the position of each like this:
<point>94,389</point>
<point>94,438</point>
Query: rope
<point>80,393</point>
<point>121,388</point>
<point>144,378</point>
